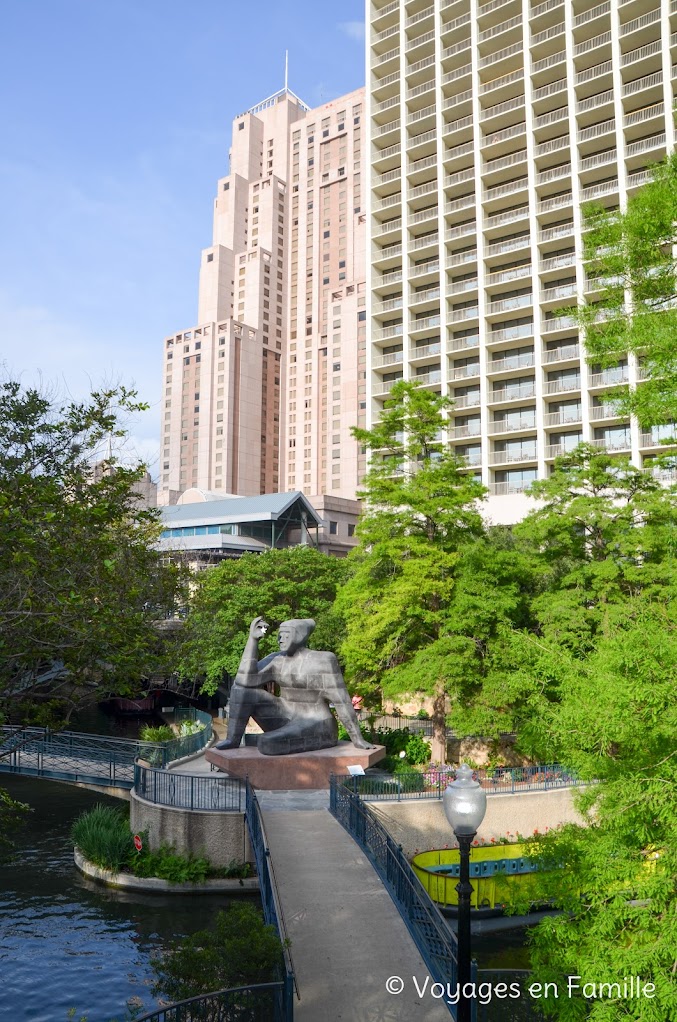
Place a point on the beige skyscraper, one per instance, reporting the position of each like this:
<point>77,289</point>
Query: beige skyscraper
<point>260,395</point>
<point>491,124</point>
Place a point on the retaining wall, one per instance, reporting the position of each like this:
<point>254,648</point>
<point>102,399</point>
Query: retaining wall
<point>419,825</point>
<point>219,836</point>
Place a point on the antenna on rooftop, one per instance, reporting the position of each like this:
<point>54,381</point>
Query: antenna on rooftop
<point>286,70</point>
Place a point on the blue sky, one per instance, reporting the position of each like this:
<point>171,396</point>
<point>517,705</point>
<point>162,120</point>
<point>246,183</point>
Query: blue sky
<point>116,120</point>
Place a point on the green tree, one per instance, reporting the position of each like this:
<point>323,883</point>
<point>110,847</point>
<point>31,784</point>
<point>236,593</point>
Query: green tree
<point>615,723</point>
<point>430,591</point>
<point>280,584</point>
<point>633,257</point>
<point>604,533</point>
<point>81,587</point>
<point>238,950</point>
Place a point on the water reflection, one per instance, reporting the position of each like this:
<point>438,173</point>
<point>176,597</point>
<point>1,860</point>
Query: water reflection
<point>67,942</point>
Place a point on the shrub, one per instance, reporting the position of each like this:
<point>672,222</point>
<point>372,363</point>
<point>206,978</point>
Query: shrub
<point>418,750</point>
<point>240,949</point>
<point>166,864</point>
<point>103,836</point>
<point>161,733</point>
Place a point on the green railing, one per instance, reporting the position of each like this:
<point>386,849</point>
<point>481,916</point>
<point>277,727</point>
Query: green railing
<point>262,1002</point>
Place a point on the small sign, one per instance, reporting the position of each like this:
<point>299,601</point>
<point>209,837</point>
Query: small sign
<point>138,843</point>
<point>356,770</point>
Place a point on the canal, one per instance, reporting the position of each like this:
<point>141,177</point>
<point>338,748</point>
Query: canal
<point>66,942</point>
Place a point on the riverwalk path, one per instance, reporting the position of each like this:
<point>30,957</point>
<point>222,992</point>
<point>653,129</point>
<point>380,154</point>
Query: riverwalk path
<point>347,937</point>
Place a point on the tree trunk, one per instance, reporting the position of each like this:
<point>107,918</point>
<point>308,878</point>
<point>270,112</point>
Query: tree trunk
<point>439,717</point>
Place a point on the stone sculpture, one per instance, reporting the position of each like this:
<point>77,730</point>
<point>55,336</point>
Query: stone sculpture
<point>300,718</point>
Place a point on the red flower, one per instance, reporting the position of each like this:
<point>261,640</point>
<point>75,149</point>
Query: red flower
<point>475,842</point>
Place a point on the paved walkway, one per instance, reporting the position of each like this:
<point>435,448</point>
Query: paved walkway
<point>347,937</point>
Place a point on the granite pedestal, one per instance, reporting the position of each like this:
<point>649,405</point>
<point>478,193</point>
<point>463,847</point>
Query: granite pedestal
<point>295,771</point>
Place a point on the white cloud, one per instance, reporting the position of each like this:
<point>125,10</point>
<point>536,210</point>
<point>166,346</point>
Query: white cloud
<point>353,29</point>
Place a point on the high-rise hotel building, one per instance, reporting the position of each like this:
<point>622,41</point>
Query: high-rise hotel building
<point>491,124</point>
<point>260,394</point>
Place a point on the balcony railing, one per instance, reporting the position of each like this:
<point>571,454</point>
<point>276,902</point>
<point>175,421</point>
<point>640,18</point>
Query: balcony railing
<point>510,457</point>
<point>467,401</point>
<point>501,365</point>
<point>561,354</point>
<point>564,417</point>
<point>610,378</point>
<point>511,425</point>
<point>501,394</point>
<point>463,372</point>
<point>563,386</point>
<point>392,358</point>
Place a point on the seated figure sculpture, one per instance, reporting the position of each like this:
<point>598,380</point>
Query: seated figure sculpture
<point>300,718</point>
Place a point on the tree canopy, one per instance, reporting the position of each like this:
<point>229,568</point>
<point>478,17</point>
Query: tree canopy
<point>81,587</point>
<point>299,582</point>
<point>632,258</point>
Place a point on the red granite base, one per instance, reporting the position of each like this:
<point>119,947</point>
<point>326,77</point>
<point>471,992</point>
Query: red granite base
<point>296,771</point>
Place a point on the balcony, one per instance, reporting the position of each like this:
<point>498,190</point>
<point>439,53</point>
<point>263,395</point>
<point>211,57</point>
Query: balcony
<point>512,333</point>
<point>608,410</point>
<point>425,351</point>
<point>392,358</point>
<point>502,395</point>
<point>646,82</point>
<point>555,202</point>
<point>387,253</point>
<point>568,352</point>
<point>463,315</point>
<point>506,276</point>
<point>386,203</point>
<point>598,190</point>
<point>464,343</point>
<point>461,258</point>
<point>461,432</point>
<point>559,262</point>
<point>424,216</point>
<point>421,16</point>
<point>609,378</point>
<point>509,245</point>
<point>389,305</point>
<point>511,363</point>
<point>511,216</point>
<point>458,205</point>
<point>383,387</point>
<point>426,241</point>
<point>551,326</point>
<point>510,304</point>
<point>426,323</point>
<point>613,443</point>
<point>556,233</point>
<point>386,332</point>
<point>431,379</point>
<point>595,12</point>
<point>553,89</point>
<point>387,227</point>
<point>512,426</point>
<point>457,100</point>
<point>509,488</point>
<point>432,266</point>
<point>564,417</point>
<point>509,188</point>
<point>386,279</point>
<point>465,372</point>
<point>429,295</point>
<point>565,386</point>
<point>467,400</point>
<point>460,287</point>
<point>512,457</point>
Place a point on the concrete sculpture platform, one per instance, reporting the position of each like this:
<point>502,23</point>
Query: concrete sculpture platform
<point>295,771</point>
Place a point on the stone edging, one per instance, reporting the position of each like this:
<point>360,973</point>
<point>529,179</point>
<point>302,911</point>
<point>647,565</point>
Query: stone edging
<point>126,881</point>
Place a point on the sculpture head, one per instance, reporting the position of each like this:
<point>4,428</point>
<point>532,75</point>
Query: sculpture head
<point>294,634</point>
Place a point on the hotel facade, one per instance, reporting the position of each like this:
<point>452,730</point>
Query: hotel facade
<point>491,125</point>
<point>259,396</point>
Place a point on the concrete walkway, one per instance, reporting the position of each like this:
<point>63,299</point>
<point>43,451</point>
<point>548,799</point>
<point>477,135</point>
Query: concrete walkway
<point>347,937</point>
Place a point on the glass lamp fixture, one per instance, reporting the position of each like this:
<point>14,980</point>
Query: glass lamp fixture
<point>465,803</point>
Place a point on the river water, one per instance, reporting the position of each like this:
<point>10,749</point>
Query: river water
<point>66,942</point>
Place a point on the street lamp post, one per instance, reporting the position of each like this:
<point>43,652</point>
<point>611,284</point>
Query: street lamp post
<point>465,804</point>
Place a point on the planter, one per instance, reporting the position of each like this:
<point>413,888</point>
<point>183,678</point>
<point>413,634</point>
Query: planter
<point>128,882</point>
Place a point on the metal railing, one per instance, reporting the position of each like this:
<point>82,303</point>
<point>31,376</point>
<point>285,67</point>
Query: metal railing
<point>261,1002</point>
<point>431,784</point>
<point>435,941</point>
<point>272,909</point>
<point>189,791</point>
<point>94,759</point>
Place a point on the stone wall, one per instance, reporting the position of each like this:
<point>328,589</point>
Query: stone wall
<point>420,825</point>
<point>219,836</point>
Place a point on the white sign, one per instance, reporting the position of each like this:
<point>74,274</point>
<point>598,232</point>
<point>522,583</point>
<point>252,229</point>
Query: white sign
<point>356,770</point>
